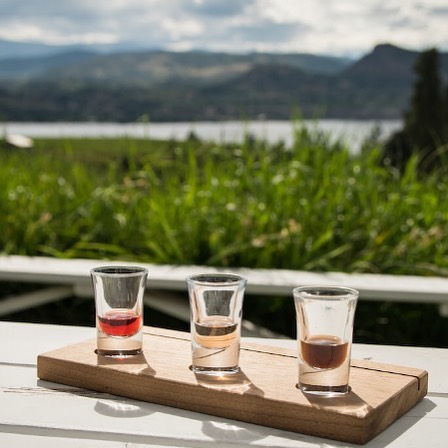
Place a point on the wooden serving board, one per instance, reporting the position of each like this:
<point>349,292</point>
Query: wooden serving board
<point>264,392</point>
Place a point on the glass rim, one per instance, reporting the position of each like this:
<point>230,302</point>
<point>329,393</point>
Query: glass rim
<point>216,279</point>
<point>326,292</point>
<point>119,271</point>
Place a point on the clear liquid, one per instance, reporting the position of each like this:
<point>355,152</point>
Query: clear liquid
<point>215,344</point>
<point>215,332</point>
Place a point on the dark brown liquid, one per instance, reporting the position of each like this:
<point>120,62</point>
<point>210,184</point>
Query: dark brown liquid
<point>323,351</point>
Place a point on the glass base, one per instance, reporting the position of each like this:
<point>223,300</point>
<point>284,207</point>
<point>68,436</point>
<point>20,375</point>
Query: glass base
<point>118,353</point>
<point>324,391</point>
<point>218,371</point>
<point>119,346</point>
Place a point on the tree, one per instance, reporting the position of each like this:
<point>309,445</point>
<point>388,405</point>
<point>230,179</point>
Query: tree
<point>445,117</point>
<point>425,123</point>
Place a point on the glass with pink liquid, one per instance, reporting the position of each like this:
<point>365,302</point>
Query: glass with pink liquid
<point>119,292</point>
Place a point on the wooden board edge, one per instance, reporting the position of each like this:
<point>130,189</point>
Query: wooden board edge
<point>397,405</point>
<point>420,375</point>
<point>248,409</point>
<point>51,368</point>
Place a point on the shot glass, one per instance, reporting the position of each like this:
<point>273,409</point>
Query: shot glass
<point>216,304</point>
<point>325,316</point>
<point>118,292</point>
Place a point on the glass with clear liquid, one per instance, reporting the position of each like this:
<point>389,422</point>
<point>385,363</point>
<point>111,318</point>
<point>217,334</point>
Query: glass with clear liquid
<point>216,309</point>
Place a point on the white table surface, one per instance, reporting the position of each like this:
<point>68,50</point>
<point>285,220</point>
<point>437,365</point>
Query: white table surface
<point>36,413</point>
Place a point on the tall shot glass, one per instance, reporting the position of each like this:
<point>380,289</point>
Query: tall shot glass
<point>325,316</point>
<point>216,302</point>
<point>119,294</point>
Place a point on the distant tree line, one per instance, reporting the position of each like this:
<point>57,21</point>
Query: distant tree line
<point>425,129</point>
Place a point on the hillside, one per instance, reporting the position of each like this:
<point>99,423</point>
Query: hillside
<point>196,86</point>
<point>384,62</point>
<point>27,68</point>
<point>152,67</point>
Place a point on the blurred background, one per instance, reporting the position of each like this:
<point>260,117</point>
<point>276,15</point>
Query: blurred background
<point>260,134</point>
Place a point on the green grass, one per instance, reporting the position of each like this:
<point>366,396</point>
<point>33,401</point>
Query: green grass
<point>312,206</point>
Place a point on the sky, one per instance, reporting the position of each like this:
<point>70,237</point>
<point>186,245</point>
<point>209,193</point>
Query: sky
<point>347,28</point>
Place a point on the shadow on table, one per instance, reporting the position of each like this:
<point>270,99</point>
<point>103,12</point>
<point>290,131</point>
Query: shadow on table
<point>122,408</point>
<point>403,424</point>
<point>134,360</point>
<point>222,430</point>
<point>238,383</point>
<point>107,404</point>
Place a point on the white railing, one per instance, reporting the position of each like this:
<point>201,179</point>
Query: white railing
<point>71,277</point>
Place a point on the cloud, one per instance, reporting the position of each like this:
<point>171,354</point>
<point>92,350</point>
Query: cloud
<point>441,10</point>
<point>219,8</point>
<point>340,27</point>
<point>266,32</point>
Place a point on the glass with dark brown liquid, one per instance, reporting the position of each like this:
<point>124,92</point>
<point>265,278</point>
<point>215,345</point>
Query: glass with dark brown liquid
<point>324,365</point>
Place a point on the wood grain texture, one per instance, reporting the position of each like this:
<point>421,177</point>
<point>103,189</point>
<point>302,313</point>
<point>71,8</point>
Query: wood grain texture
<point>264,392</point>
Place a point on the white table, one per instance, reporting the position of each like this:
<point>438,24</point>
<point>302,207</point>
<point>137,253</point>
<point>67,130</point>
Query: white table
<point>35,413</point>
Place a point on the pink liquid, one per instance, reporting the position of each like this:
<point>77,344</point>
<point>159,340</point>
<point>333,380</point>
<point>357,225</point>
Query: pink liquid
<point>120,323</point>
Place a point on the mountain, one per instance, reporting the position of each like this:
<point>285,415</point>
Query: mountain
<point>197,85</point>
<point>32,67</point>
<point>153,67</point>
<point>376,86</point>
<point>384,62</point>
<point>11,49</point>
<point>268,90</point>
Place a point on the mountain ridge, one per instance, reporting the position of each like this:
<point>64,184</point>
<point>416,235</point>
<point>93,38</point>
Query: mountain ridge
<point>157,65</point>
<point>16,49</point>
<point>197,86</point>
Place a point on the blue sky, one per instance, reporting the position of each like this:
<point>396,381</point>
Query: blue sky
<point>337,27</point>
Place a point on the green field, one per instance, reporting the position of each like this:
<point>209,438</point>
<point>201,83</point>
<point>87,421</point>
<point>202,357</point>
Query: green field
<point>313,206</point>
